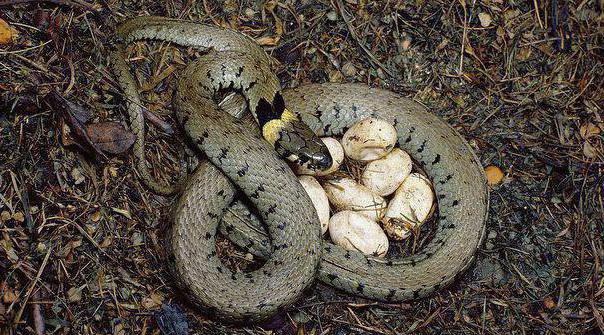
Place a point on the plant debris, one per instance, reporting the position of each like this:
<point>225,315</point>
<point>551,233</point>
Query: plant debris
<point>81,248</point>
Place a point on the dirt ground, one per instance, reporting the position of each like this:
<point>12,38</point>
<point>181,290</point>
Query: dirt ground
<point>80,250</point>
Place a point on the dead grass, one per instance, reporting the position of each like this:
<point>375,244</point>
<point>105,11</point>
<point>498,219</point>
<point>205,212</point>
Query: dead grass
<point>80,237</point>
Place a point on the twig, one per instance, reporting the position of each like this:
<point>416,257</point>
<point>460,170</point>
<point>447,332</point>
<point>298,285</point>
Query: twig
<point>372,58</point>
<point>32,285</point>
<point>464,35</point>
<point>75,3</point>
<point>37,315</point>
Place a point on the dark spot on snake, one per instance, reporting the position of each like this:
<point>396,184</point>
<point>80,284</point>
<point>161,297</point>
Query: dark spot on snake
<point>229,228</point>
<point>211,254</point>
<point>220,193</point>
<point>415,294</point>
<point>266,273</point>
<point>326,128</point>
<point>389,263</point>
<point>411,130</point>
<point>282,225</point>
<point>243,170</point>
<point>208,236</point>
<point>347,254</point>
<point>219,269</point>
<point>369,263</point>
<point>233,277</point>
<point>332,276</point>
<point>264,112</point>
<point>436,287</point>
<point>360,287</point>
<point>239,71</point>
<point>278,104</point>
<point>451,226</point>
<point>429,254</point>
<point>390,294</point>
<point>443,218</point>
<point>422,147</point>
<point>261,188</point>
<point>327,248</point>
<point>413,262</point>
<point>271,210</point>
<point>455,203</point>
<point>441,196</point>
<point>249,87</point>
<point>436,159</point>
<point>354,108</point>
<point>408,139</point>
<point>212,215</point>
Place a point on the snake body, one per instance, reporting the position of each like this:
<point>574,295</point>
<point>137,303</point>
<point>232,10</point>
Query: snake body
<point>242,160</point>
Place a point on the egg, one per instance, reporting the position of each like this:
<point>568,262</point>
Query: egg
<point>347,194</point>
<point>383,176</point>
<point>353,231</point>
<point>337,155</point>
<point>318,198</point>
<point>410,206</point>
<point>369,139</point>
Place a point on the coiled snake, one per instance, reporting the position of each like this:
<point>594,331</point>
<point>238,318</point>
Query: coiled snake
<point>239,155</point>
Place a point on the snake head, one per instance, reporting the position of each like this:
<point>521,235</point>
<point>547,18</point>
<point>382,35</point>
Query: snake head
<point>299,144</point>
<point>291,137</point>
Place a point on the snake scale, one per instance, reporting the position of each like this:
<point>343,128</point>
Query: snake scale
<point>242,158</point>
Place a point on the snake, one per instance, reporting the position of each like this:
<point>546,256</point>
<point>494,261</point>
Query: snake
<point>245,156</point>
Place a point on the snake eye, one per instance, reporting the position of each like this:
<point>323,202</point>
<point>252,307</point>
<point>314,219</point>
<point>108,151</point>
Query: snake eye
<point>322,160</point>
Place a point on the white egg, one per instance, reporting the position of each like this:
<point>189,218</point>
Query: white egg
<point>410,206</point>
<point>369,139</point>
<point>337,155</point>
<point>385,175</point>
<point>319,199</point>
<point>353,231</point>
<point>347,194</point>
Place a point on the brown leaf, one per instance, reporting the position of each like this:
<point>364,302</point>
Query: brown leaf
<point>589,130</point>
<point>7,33</point>
<point>494,175</point>
<point>110,137</point>
<point>75,116</point>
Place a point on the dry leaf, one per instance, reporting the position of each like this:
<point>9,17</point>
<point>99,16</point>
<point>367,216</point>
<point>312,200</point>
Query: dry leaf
<point>589,130</point>
<point>74,294</point>
<point>494,175</point>
<point>549,303</point>
<point>110,137</point>
<point>485,19</point>
<point>7,33</point>
<point>589,151</point>
<point>9,296</point>
<point>96,216</point>
<point>19,217</point>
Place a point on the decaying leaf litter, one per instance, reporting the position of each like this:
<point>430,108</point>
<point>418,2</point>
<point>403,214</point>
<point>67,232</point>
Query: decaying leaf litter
<point>81,246</point>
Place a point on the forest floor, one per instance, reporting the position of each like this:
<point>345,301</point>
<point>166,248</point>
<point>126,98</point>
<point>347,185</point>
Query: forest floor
<point>80,245</point>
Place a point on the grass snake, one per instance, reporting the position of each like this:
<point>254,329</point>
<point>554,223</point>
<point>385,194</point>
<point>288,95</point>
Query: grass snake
<point>248,158</point>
